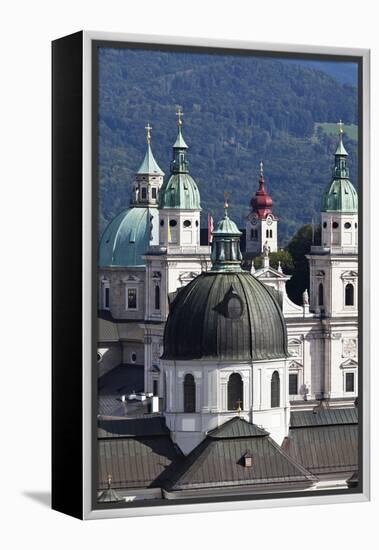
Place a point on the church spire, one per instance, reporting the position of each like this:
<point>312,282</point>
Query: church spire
<point>179,164</point>
<point>340,168</point>
<point>149,166</point>
<point>226,254</point>
<point>261,203</point>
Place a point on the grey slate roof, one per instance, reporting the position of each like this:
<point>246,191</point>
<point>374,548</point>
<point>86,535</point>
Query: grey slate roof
<point>324,417</point>
<point>237,427</point>
<point>121,380</point>
<point>132,427</point>
<point>136,452</point>
<point>218,461</point>
<point>197,326</point>
<point>326,442</point>
<point>135,462</point>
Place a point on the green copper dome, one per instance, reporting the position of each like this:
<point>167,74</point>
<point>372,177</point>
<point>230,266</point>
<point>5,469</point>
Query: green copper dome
<point>180,190</point>
<point>340,194</point>
<point>126,239</point>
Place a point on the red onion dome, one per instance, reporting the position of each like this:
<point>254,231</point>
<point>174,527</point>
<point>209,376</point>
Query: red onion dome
<point>261,203</point>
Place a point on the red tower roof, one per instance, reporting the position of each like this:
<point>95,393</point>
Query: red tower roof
<point>261,203</point>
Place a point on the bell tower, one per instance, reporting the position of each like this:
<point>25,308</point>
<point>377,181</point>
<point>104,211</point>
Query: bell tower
<point>261,224</point>
<point>334,263</point>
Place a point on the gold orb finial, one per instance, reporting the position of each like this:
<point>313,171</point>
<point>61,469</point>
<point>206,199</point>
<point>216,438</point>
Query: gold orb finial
<point>148,129</point>
<point>179,114</point>
<point>261,168</point>
<point>340,125</point>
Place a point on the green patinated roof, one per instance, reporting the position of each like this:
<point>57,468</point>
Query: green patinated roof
<point>126,239</point>
<point>198,325</point>
<point>341,149</point>
<point>180,191</point>
<point>149,164</point>
<point>180,143</point>
<point>226,254</point>
<point>340,195</point>
<point>226,226</point>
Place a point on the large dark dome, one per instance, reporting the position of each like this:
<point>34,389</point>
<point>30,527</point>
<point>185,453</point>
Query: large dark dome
<point>226,316</point>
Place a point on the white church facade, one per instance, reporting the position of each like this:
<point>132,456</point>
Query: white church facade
<point>187,313</point>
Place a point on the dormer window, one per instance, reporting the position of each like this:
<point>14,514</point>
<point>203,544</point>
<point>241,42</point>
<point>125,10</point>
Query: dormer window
<point>247,460</point>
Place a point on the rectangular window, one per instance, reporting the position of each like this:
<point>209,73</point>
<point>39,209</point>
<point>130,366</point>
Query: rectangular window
<point>155,387</point>
<point>349,382</point>
<point>293,384</point>
<point>132,298</point>
<point>154,192</point>
<point>143,193</point>
<point>106,297</point>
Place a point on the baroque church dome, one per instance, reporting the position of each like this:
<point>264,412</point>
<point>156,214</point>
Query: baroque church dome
<point>180,190</point>
<point>340,195</point>
<point>126,239</point>
<point>225,313</point>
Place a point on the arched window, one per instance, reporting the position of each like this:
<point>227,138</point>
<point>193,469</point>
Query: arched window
<point>189,393</point>
<point>320,294</point>
<point>275,389</point>
<point>349,295</point>
<point>235,392</point>
<point>157,297</point>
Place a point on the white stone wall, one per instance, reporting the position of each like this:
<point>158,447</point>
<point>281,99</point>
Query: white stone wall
<point>211,380</point>
<point>186,232</point>
<point>254,247</point>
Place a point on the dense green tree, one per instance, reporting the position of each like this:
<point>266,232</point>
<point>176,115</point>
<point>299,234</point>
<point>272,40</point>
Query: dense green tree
<point>298,247</point>
<point>282,256</point>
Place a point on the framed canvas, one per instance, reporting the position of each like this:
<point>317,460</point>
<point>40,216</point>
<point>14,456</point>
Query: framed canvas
<point>210,275</point>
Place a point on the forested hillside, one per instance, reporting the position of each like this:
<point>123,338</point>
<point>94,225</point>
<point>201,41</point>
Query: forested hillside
<point>237,111</point>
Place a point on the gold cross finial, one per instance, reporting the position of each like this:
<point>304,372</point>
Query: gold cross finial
<point>340,127</point>
<point>148,134</point>
<point>239,403</point>
<point>179,114</point>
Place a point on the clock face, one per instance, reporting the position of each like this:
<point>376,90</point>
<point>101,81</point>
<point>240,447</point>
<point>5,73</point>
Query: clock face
<point>254,220</point>
<point>269,220</point>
